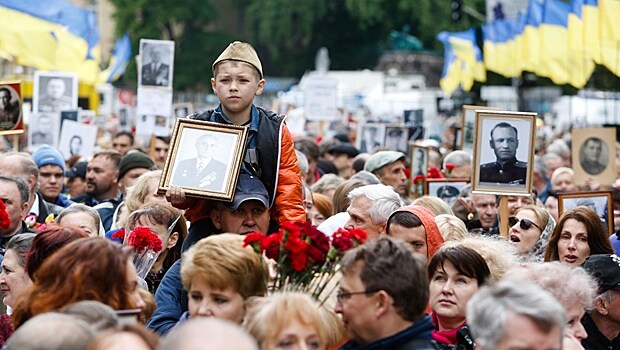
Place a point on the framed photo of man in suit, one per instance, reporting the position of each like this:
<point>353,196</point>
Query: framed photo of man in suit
<point>55,92</point>
<point>593,153</point>
<point>204,158</point>
<point>156,63</point>
<point>370,137</point>
<point>503,152</point>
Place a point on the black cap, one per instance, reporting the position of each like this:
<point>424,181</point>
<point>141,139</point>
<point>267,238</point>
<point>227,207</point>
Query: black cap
<point>78,170</point>
<point>249,188</point>
<point>606,269</point>
<point>447,191</point>
<point>344,148</point>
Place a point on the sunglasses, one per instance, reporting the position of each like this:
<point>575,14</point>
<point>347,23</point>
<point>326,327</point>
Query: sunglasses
<point>525,224</point>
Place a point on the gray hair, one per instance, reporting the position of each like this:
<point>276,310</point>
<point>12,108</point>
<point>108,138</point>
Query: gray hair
<point>366,176</point>
<point>20,244</point>
<point>384,200</point>
<point>51,331</point>
<point>540,167</point>
<point>491,307</point>
<point>569,285</point>
<point>27,166</point>
<point>22,186</point>
<point>208,333</point>
<point>82,208</point>
<point>327,182</point>
<point>97,314</point>
<point>303,162</point>
<point>458,158</point>
<point>560,148</point>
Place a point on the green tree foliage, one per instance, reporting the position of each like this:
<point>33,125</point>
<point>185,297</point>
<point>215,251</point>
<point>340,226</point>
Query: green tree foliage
<point>184,21</point>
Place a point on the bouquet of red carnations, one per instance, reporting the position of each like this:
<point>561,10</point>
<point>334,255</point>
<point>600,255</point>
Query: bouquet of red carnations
<point>146,246</point>
<point>306,259</point>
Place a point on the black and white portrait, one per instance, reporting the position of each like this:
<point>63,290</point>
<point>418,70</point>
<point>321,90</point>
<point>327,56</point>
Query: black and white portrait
<point>77,139</point>
<point>468,125</point>
<point>599,201</point>
<point>157,59</point>
<point>371,137</point>
<point>594,155</point>
<point>503,152</point>
<point>419,161</point>
<point>207,167</point>
<point>396,138</point>
<point>10,106</point>
<point>55,92</point>
<point>447,191</point>
<point>43,129</point>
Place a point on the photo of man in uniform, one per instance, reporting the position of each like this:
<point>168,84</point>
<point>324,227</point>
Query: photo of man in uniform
<point>9,107</point>
<point>590,156</point>
<point>370,139</point>
<point>155,72</point>
<point>419,162</point>
<point>203,172</point>
<point>506,169</point>
<point>396,139</point>
<point>56,97</point>
<point>41,130</point>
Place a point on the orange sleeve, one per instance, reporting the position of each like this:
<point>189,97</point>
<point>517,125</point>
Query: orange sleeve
<point>289,200</point>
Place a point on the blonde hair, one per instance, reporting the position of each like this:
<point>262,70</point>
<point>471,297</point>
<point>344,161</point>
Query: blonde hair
<point>451,227</point>
<point>136,194</point>
<point>267,317</point>
<point>560,171</point>
<point>541,214</point>
<point>500,255</point>
<point>435,204</point>
<point>222,262</point>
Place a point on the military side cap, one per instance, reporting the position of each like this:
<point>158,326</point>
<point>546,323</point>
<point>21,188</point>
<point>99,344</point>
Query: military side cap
<point>381,159</point>
<point>238,51</point>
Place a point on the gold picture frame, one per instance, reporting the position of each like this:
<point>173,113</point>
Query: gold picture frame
<point>593,155</point>
<point>468,126</point>
<point>599,201</point>
<point>204,159</point>
<point>503,166</point>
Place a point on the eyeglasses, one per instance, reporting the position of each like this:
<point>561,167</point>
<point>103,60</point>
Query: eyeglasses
<point>340,295</point>
<point>525,224</point>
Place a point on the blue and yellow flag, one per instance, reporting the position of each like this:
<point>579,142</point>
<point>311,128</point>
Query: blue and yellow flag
<point>553,31</point>
<point>530,48</point>
<point>463,61</point>
<point>590,18</point>
<point>121,54</point>
<point>581,66</point>
<point>50,35</point>
<point>609,21</point>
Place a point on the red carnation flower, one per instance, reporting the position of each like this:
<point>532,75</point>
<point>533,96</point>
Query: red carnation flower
<point>120,234</point>
<point>418,179</point>
<point>142,238</point>
<point>271,246</point>
<point>450,166</point>
<point>298,262</point>
<point>5,220</point>
<point>253,239</point>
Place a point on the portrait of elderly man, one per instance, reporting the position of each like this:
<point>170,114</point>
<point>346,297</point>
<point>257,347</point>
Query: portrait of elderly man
<point>56,98</point>
<point>203,172</point>
<point>590,156</point>
<point>155,72</point>
<point>506,169</point>
<point>9,106</point>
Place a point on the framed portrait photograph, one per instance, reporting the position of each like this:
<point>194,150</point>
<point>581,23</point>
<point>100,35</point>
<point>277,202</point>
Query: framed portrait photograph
<point>204,158</point>
<point>55,92</point>
<point>503,152</point>
<point>468,126</point>
<point>370,137</point>
<point>11,108</point>
<point>182,110</point>
<point>599,201</point>
<point>419,166</point>
<point>446,189</point>
<point>458,138</point>
<point>396,138</point>
<point>77,139</point>
<point>594,154</point>
<point>44,129</point>
<point>156,63</point>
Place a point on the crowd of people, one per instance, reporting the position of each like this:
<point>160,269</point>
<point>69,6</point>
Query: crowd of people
<point>433,274</point>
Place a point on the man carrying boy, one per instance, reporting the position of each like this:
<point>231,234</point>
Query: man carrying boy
<point>269,154</point>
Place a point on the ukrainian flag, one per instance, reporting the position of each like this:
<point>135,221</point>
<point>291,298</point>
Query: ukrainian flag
<point>519,42</point>
<point>609,17</point>
<point>489,42</point>
<point>581,66</point>
<point>530,49</point>
<point>504,47</point>
<point>463,61</point>
<point>554,62</point>
<point>121,54</point>
<point>50,35</point>
<point>590,18</point>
